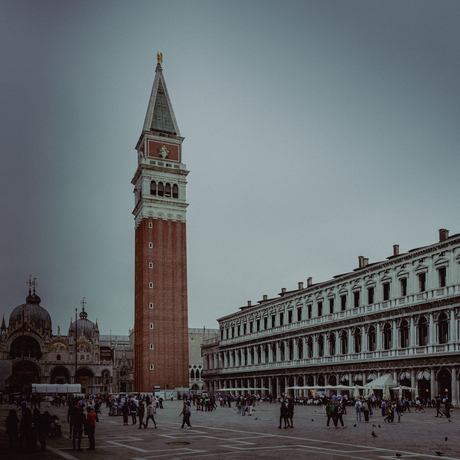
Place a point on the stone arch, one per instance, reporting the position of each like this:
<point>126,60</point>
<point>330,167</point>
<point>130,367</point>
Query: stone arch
<point>60,374</point>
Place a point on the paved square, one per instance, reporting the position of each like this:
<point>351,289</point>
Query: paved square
<point>224,434</point>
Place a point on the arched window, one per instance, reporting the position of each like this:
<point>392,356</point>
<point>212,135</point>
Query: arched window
<point>443,328</point>
<point>197,375</point>
<point>310,347</point>
<point>404,334</point>
<point>153,188</point>
<point>422,334</point>
<point>300,349</point>
<point>357,340</point>
<point>344,343</point>
<point>332,344</point>
<point>372,336</point>
<point>320,346</point>
<point>175,191</point>
<point>192,374</point>
<point>161,190</point>
<point>168,190</point>
<point>387,338</point>
<point>58,357</point>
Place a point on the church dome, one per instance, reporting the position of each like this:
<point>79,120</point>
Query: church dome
<point>82,326</point>
<point>32,313</point>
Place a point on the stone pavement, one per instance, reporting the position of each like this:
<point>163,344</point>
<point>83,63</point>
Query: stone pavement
<point>224,434</point>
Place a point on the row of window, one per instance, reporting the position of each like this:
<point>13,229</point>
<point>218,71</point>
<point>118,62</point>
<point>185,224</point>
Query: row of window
<point>164,189</point>
<point>422,338</point>
<point>386,291</point>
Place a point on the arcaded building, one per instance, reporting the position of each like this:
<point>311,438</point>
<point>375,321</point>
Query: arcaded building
<point>398,316</point>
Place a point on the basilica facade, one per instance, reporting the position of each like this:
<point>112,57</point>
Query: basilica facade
<point>400,316</point>
<point>31,353</point>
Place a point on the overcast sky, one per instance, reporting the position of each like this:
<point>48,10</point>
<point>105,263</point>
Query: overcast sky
<point>315,132</point>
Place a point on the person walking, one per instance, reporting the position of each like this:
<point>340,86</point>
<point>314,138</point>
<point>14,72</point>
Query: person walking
<point>150,413</point>
<point>186,412</point>
<point>330,412</point>
<point>141,412</point>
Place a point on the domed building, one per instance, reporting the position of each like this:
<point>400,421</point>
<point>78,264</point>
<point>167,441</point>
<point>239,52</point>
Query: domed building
<point>31,353</point>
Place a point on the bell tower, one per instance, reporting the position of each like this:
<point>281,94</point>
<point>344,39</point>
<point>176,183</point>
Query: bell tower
<point>161,316</point>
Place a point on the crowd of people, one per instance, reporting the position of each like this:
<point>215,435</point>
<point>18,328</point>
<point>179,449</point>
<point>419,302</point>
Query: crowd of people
<point>34,427</point>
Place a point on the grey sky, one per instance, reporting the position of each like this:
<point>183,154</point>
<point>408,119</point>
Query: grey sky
<point>316,131</point>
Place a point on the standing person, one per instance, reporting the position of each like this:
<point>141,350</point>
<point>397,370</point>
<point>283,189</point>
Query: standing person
<point>39,428</point>
<point>290,412</point>
<point>399,409</point>
<point>366,410</point>
<point>125,412</point>
<point>133,410</point>
<point>338,414</point>
<point>12,428</point>
<point>186,412</point>
<point>283,413</point>
<point>243,405</point>
<point>438,407</point>
<point>91,428</point>
<point>141,412</point>
<point>358,407</point>
<point>150,413</point>
<point>26,431</point>
<point>78,423</point>
<point>330,412</point>
<point>447,407</point>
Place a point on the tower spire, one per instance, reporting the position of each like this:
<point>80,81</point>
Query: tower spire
<point>160,114</point>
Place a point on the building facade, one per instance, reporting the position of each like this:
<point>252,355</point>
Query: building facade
<point>400,316</point>
<point>33,354</point>
<point>161,310</point>
<point>196,337</point>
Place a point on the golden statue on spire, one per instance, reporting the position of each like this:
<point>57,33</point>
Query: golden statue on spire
<point>160,58</point>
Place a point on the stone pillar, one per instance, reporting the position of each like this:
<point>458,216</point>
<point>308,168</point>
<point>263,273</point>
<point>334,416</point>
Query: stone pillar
<point>315,347</point>
<point>304,348</point>
<point>350,342</point>
<point>249,351</point>
<point>295,350</point>
<point>454,386</point>
<point>270,352</point>
<point>433,383</point>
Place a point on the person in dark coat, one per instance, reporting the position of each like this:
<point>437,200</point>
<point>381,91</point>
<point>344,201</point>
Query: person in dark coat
<point>39,428</point>
<point>12,428</point>
<point>26,431</point>
<point>79,420</point>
